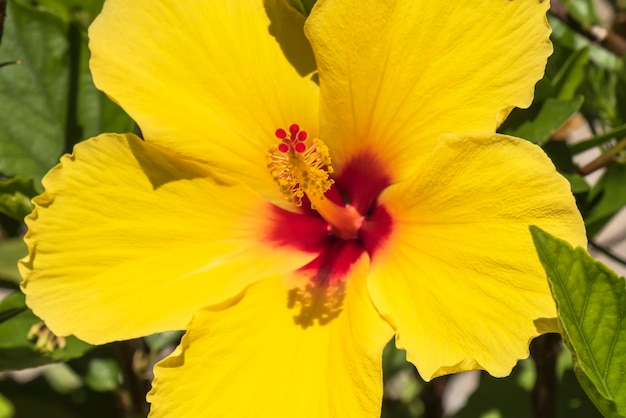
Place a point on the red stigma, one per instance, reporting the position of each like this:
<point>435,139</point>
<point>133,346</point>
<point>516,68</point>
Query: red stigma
<point>299,147</point>
<point>280,133</point>
<point>293,142</point>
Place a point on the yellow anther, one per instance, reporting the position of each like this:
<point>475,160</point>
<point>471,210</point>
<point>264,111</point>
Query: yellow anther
<point>301,169</point>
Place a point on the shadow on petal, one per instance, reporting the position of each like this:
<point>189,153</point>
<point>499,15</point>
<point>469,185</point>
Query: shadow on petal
<point>317,303</point>
<point>287,27</point>
<point>545,325</point>
<point>162,166</point>
<point>319,297</point>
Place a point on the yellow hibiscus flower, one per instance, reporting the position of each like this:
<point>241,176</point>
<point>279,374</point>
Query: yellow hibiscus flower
<point>293,221</point>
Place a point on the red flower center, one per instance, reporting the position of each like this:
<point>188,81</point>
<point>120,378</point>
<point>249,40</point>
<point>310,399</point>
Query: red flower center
<point>338,223</point>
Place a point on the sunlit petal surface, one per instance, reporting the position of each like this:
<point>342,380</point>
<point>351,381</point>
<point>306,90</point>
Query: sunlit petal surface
<point>395,75</point>
<point>287,349</point>
<point>211,81</point>
<point>461,255</point>
<point>129,240</point>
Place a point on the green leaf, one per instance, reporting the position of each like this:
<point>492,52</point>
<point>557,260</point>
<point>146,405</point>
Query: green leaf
<point>157,342</point>
<point>49,102</point>
<point>23,185</point>
<point>103,375</point>
<point>10,313</point>
<point>607,197</point>
<point>591,304</point>
<point>564,36</point>
<point>83,11</point>
<point>583,11</point>
<point>11,250</point>
<point>15,205</point>
<point>597,140</point>
<point>6,408</point>
<point>33,95</point>
<point>606,406</point>
<point>577,183</point>
<point>15,196</point>
<point>552,115</point>
<point>90,111</point>
<point>62,378</point>
<point>601,88</point>
<point>544,89</point>
<point>570,76</point>
<point>303,6</point>
<point>96,113</point>
<point>17,351</point>
<point>571,398</point>
<point>561,156</point>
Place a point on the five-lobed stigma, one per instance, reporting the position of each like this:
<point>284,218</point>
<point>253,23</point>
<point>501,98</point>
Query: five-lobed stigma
<point>300,165</point>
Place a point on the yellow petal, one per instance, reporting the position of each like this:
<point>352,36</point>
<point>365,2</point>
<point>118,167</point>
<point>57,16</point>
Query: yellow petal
<point>395,75</point>
<point>262,358</point>
<point>459,277</point>
<point>208,80</point>
<point>127,240</point>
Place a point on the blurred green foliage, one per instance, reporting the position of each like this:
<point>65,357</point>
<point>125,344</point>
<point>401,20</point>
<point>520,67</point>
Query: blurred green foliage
<point>48,103</point>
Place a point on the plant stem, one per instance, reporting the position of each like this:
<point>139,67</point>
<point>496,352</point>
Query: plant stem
<point>133,384</point>
<point>433,397</point>
<point>545,351</point>
<point>607,38</point>
<point>607,253</point>
<point>603,160</point>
